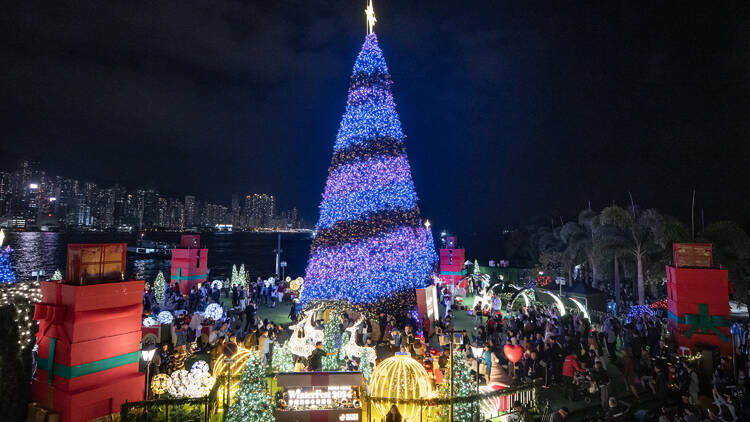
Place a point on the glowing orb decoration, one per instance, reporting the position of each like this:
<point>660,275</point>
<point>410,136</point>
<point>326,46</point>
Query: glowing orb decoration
<point>160,383</point>
<point>402,378</point>
<point>214,311</point>
<point>296,284</point>
<point>199,367</point>
<point>179,383</point>
<point>200,385</point>
<point>165,317</point>
<point>217,284</point>
<point>149,322</point>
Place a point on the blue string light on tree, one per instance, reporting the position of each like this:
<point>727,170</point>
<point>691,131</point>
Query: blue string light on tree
<point>638,311</point>
<point>7,275</point>
<point>370,242</point>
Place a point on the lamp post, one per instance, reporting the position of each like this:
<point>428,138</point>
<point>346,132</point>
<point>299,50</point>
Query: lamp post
<point>229,349</point>
<point>477,352</point>
<point>147,354</point>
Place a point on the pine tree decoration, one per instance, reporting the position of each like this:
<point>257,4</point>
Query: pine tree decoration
<point>252,402</point>
<point>159,285</point>
<point>6,269</point>
<point>365,365</point>
<point>235,276</point>
<point>476,267</point>
<point>463,385</point>
<point>57,275</point>
<point>281,360</point>
<point>370,242</point>
<point>242,277</point>
<point>332,329</point>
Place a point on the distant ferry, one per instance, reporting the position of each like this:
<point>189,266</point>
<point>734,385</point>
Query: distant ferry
<point>151,248</point>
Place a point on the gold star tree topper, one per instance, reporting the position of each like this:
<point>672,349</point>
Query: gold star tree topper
<point>371,19</point>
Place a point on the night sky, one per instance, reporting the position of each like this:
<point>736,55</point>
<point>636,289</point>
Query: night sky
<point>511,109</point>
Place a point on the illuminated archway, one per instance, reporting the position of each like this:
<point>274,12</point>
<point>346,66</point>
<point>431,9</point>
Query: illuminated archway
<point>521,292</point>
<point>558,302</point>
<point>581,307</point>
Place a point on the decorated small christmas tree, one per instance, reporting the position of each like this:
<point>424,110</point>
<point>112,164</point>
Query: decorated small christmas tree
<point>242,277</point>
<point>57,275</point>
<point>6,269</point>
<point>159,288</point>
<point>332,330</point>
<point>365,365</point>
<point>252,402</point>
<point>282,358</point>
<point>370,246</point>
<point>463,386</point>
<point>235,276</point>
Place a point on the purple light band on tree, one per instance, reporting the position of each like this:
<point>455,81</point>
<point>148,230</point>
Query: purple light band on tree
<point>350,272</point>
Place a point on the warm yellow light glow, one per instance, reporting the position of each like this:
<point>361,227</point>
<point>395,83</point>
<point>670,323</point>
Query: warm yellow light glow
<point>371,19</point>
<point>400,377</point>
<point>160,383</point>
<point>220,369</point>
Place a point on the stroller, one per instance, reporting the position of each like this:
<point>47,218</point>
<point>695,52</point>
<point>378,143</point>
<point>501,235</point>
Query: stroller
<point>585,387</point>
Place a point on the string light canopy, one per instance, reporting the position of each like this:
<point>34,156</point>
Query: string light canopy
<point>400,378</point>
<point>370,243</point>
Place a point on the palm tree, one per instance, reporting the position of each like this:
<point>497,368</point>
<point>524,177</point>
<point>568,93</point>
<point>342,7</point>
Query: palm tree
<point>589,221</point>
<point>641,230</point>
<point>576,243</point>
<point>614,241</point>
<point>731,249</point>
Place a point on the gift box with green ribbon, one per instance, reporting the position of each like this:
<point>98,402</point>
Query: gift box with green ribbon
<point>698,307</point>
<point>89,348</point>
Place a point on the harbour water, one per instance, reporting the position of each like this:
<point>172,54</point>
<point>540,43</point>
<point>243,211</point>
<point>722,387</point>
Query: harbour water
<point>47,251</point>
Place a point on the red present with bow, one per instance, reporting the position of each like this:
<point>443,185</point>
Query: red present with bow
<point>89,348</point>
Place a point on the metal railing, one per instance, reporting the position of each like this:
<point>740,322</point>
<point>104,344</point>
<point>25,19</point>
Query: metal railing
<point>525,394</point>
<point>199,409</point>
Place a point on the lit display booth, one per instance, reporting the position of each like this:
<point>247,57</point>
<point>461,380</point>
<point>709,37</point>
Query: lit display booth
<point>319,397</point>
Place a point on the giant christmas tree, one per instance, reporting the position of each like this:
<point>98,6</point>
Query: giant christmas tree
<point>370,241</point>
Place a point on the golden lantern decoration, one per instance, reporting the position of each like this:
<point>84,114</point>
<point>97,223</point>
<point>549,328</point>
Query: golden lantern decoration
<point>400,378</point>
<point>160,383</point>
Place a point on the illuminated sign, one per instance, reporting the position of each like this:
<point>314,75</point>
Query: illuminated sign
<point>319,396</point>
<point>33,186</point>
<point>349,417</point>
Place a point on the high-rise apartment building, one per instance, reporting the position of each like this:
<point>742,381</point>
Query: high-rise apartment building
<point>190,209</point>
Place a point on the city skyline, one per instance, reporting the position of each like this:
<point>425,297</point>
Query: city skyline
<point>30,197</point>
<point>511,110</point>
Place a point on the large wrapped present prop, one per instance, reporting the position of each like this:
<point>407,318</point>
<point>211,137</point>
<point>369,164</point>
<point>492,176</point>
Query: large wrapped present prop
<point>189,263</point>
<point>89,339</point>
<point>698,300</point>
<point>452,269</point>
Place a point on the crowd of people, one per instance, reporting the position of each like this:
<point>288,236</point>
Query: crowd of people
<point>568,353</point>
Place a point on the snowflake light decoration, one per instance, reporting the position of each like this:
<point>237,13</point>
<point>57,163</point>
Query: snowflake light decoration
<point>165,317</point>
<point>214,311</point>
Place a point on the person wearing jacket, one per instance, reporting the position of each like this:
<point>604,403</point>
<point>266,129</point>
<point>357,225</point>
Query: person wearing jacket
<point>570,368</point>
